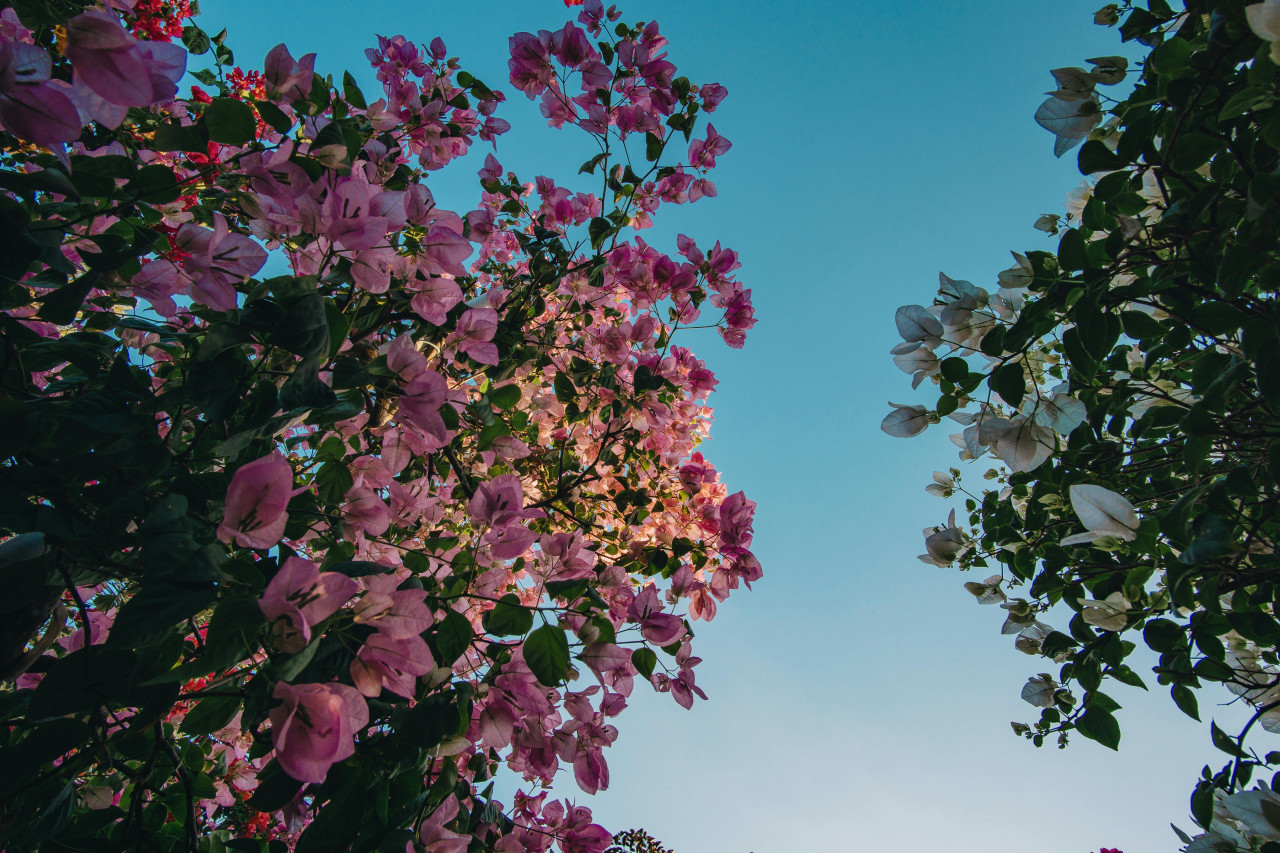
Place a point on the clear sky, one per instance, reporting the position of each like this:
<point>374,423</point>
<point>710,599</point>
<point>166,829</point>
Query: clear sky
<point>859,699</point>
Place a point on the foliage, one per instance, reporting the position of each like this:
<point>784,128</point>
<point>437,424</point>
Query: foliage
<point>636,841</point>
<point>321,502</point>
<point>1128,386</point>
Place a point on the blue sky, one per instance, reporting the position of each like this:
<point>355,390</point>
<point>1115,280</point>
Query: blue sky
<point>859,699</point>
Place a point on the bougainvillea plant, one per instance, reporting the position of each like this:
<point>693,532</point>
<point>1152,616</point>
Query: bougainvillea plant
<point>1128,387</point>
<point>321,504</point>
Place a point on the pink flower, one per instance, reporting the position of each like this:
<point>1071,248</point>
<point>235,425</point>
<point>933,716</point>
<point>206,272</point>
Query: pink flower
<point>218,261</point>
<point>30,106</point>
<point>475,333</point>
<point>420,408</point>
<point>611,665</point>
<point>659,628</point>
<point>736,514</point>
<point>300,595</point>
<point>712,94</point>
<point>118,67</point>
<point>315,727</point>
<point>703,153</point>
<point>256,502</point>
<point>435,838</point>
<point>394,664</point>
<point>400,614</point>
<point>288,79</point>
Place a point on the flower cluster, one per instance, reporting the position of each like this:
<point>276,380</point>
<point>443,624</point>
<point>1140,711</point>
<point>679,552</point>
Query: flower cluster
<point>426,506</point>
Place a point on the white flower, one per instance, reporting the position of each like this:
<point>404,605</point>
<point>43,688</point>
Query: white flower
<point>987,592</point>
<point>1077,199</point>
<point>1039,691</point>
<point>1264,20</point>
<point>943,485</point>
<point>1108,614</point>
<point>905,421</point>
<point>1103,513</point>
<point>943,544</point>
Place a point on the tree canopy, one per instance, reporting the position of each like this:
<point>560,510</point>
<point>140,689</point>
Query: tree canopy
<point>1128,389</point>
<point>321,503</point>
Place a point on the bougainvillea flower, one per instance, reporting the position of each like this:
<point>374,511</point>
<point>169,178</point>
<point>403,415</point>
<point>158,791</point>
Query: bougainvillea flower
<point>120,68</point>
<point>301,596</point>
<point>703,152</point>
<point>394,664</point>
<point>315,727</point>
<point>659,628</point>
<point>1264,20</point>
<point>30,106</point>
<point>256,502</point>
<point>398,613</point>
<point>288,79</point>
<point>217,260</point>
<point>435,838</point>
<point>611,665</point>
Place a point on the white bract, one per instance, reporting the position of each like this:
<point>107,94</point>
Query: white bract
<point>1104,513</point>
<point>1108,614</point>
<point>1264,20</point>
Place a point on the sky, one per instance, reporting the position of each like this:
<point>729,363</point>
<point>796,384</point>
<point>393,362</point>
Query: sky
<point>859,699</point>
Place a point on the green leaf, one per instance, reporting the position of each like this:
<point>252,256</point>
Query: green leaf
<point>652,147</point>
<point>1141,326</point>
<point>156,184</point>
<point>505,397</point>
<point>195,40</point>
<point>1098,724</point>
<point>1097,157</point>
<point>229,121</point>
<point>599,230</point>
<point>62,305</point>
<point>1246,100</point>
<point>274,116</point>
<point>149,616</point>
<point>1225,742</point>
<point>210,714</point>
<point>453,636</point>
<point>304,389</point>
<point>589,167</point>
<point>955,369</point>
<point>1072,254</point>
<point>565,391</point>
<point>509,617</point>
<point>1190,151</point>
<point>1009,381</point>
<point>1185,700</point>
<point>1202,804</point>
<point>547,652</point>
<point>351,92</point>
<point>275,790</point>
<point>644,660</point>
<point>174,137</point>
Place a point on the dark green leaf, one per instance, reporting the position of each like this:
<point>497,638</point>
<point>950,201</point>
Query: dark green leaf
<point>210,714</point>
<point>1098,724</point>
<point>644,660</point>
<point>546,651</point>
<point>508,617</point>
<point>1097,157</point>
<point>1185,700</point>
<point>275,790</point>
<point>174,137</point>
<point>452,636</point>
<point>229,121</point>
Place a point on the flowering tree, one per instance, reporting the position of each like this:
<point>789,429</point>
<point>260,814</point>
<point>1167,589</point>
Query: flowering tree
<point>1128,389</point>
<point>303,557</point>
